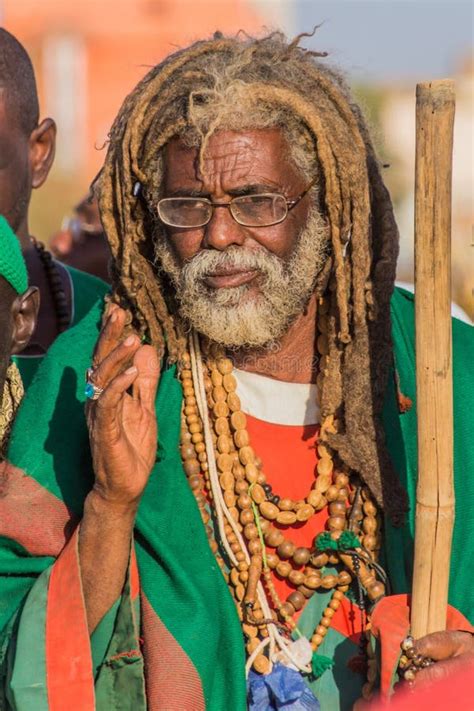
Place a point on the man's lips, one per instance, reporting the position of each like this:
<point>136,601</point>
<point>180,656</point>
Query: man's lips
<point>228,278</point>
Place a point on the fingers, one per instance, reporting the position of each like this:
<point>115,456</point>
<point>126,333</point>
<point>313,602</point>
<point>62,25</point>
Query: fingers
<point>110,335</point>
<point>117,360</point>
<point>112,395</point>
<point>443,670</point>
<point>442,645</point>
<point>148,365</point>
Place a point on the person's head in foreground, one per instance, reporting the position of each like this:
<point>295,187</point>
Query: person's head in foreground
<point>18,311</point>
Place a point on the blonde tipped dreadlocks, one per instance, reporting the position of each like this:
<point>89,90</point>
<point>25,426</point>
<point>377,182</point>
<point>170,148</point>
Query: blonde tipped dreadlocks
<point>243,83</point>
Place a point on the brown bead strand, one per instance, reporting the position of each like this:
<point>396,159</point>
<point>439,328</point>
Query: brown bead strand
<point>243,485</point>
<point>336,492</point>
<point>325,621</point>
<point>193,453</point>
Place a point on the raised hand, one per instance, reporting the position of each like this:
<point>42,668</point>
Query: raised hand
<point>122,422</point>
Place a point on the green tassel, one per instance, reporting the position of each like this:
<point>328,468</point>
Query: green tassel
<point>320,664</point>
<point>324,542</point>
<point>347,541</point>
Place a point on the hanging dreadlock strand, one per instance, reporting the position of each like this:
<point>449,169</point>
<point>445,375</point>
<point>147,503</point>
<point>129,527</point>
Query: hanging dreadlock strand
<point>243,83</point>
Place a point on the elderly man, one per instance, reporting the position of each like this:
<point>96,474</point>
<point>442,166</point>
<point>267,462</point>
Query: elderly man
<point>254,251</point>
<point>27,147</point>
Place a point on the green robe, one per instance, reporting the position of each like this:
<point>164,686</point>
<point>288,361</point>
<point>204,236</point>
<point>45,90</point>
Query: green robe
<point>179,645</point>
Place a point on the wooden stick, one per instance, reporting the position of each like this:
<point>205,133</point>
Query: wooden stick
<point>435,492</point>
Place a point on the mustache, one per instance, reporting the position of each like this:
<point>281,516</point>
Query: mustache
<point>234,257</point>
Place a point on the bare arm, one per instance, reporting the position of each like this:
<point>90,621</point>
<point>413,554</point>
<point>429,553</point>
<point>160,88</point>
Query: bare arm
<point>123,437</point>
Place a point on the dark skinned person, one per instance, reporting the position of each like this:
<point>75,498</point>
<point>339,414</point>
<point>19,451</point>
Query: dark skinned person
<point>19,305</point>
<point>230,526</point>
<point>27,147</point>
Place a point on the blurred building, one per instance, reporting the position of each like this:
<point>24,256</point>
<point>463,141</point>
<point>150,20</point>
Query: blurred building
<point>397,124</point>
<point>88,56</point>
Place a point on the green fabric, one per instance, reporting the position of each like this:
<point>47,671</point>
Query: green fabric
<point>401,438</point>
<point>12,264</point>
<point>102,636</point>
<point>320,664</point>
<point>120,673</point>
<point>28,682</point>
<point>178,572</point>
<point>87,290</point>
<point>338,688</point>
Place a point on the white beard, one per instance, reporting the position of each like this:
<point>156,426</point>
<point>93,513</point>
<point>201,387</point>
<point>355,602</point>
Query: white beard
<point>238,317</point>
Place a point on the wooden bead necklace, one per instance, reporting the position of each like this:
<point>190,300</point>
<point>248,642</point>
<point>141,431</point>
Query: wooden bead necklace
<point>253,546</point>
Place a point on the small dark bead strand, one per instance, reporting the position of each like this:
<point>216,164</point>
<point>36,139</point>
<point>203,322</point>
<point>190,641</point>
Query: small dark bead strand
<point>55,284</point>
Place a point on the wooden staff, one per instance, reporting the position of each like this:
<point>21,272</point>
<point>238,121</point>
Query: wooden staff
<point>435,103</point>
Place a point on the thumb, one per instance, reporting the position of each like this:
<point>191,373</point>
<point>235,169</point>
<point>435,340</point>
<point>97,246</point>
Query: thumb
<point>443,645</point>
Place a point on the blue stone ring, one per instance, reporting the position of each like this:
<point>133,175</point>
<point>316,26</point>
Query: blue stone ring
<point>92,391</point>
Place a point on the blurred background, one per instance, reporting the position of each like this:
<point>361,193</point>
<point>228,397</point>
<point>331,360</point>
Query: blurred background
<point>88,55</point>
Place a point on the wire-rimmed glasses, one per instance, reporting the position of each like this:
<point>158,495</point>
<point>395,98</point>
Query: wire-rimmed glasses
<point>257,210</point>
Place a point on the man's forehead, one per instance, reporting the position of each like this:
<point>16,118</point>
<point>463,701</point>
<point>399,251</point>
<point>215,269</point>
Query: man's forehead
<point>234,155</point>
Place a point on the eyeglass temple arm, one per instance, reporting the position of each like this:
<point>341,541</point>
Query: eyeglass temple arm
<point>291,203</point>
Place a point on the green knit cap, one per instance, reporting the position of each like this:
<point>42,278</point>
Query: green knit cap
<point>12,264</point>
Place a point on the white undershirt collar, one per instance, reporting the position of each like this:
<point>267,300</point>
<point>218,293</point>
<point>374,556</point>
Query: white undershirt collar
<point>276,401</point>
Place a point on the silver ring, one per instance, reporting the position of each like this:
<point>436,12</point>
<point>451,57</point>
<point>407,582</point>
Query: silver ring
<point>91,390</point>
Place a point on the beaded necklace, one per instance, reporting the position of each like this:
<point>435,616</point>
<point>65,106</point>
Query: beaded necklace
<point>55,284</point>
<point>223,470</point>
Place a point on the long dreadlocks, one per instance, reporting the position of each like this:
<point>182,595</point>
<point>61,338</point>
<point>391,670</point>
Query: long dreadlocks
<point>194,93</point>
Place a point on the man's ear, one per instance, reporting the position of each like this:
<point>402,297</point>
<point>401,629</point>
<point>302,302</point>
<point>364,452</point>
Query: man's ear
<point>42,150</point>
<point>24,316</point>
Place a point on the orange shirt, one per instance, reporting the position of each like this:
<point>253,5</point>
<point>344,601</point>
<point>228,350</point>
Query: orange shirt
<point>289,459</point>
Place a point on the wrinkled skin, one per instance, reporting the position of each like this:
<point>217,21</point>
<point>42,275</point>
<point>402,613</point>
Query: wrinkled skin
<point>236,163</point>
<point>241,163</point>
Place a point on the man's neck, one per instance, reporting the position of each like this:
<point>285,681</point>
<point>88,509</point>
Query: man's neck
<point>292,359</point>
<point>23,234</point>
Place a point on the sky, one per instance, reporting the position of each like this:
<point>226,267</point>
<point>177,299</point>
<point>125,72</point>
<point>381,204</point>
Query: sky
<point>389,39</point>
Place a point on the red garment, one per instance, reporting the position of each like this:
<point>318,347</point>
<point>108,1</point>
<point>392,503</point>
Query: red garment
<point>289,458</point>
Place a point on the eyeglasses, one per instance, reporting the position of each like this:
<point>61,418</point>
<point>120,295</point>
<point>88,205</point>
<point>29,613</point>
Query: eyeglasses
<point>260,210</point>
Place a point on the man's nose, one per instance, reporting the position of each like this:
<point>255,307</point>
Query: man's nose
<point>223,230</point>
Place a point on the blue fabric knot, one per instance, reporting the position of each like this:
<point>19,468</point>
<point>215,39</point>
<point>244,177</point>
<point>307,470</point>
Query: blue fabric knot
<point>283,688</point>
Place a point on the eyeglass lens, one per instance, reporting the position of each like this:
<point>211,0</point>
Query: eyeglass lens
<point>248,210</point>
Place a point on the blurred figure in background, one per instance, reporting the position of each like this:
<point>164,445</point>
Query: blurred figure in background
<point>81,241</point>
<point>27,147</point>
